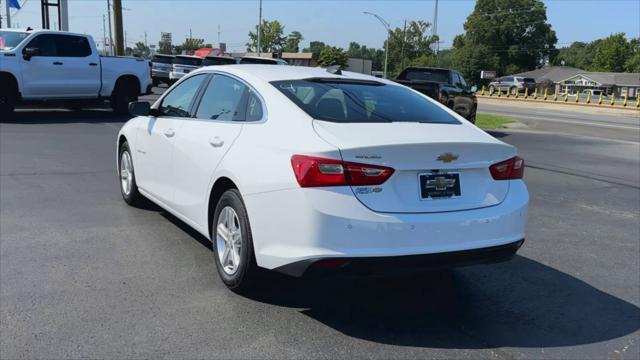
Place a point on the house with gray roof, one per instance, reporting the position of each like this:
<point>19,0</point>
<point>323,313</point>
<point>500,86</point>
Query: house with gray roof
<point>571,80</point>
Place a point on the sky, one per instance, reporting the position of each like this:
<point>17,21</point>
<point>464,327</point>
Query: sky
<point>336,22</point>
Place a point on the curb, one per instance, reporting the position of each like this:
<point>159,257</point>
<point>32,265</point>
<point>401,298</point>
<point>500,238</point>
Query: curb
<point>561,102</point>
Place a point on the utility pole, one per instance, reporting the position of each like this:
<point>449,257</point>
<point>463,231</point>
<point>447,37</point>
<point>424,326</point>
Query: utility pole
<point>386,47</point>
<point>111,48</point>
<point>259,26</point>
<point>145,40</point>
<point>404,39</point>
<point>104,35</point>
<point>6,2</point>
<point>218,35</point>
<point>434,33</point>
<point>117,21</point>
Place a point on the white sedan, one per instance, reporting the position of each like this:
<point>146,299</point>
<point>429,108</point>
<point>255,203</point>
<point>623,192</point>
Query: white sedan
<point>297,169</point>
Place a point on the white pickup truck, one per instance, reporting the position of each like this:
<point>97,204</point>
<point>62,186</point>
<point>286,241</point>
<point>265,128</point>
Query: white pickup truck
<point>66,67</point>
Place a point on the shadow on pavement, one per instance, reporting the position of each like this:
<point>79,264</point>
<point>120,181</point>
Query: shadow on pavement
<point>62,116</point>
<point>521,303</point>
<point>497,134</point>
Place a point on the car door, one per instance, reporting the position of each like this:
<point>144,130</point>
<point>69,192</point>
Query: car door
<point>64,66</point>
<point>157,135</point>
<point>204,140</point>
<point>463,102</point>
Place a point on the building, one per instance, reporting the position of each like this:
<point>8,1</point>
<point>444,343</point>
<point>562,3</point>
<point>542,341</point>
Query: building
<point>570,80</point>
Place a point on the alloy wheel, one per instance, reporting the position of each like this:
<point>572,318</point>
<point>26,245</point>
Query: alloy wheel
<point>229,240</point>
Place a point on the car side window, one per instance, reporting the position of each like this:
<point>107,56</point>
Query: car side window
<point>254,107</point>
<point>178,102</point>
<point>222,100</point>
<point>46,45</point>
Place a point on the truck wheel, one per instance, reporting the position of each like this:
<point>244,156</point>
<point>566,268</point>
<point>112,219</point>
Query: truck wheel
<point>124,93</point>
<point>8,98</point>
<point>156,82</point>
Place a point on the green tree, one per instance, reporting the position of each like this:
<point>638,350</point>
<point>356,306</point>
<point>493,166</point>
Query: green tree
<point>332,55</point>
<point>164,48</point>
<point>576,55</point>
<point>612,53</point>
<point>315,47</point>
<point>504,34</point>
<point>141,50</point>
<point>292,44</point>
<point>272,37</point>
<point>192,44</point>
<point>633,62</point>
<point>407,45</point>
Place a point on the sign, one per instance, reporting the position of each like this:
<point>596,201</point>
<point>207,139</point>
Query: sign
<point>488,74</point>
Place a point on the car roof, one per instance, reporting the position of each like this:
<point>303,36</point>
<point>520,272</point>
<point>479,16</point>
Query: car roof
<point>270,73</point>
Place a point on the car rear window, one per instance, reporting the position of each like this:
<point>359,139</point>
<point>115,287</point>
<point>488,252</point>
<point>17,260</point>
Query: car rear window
<point>435,75</point>
<point>529,80</point>
<point>187,61</point>
<point>361,101</point>
<point>218,61</point>
<point>162,59</point>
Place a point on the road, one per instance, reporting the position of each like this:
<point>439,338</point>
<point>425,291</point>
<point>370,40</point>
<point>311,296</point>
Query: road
<point>574,120</point>
<point>82,275</point>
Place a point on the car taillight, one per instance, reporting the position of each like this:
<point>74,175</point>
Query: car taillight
<point>508,170</point>
<point>315,172</point>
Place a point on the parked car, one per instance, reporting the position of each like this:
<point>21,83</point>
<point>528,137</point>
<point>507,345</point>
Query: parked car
<point>445,85</point>
<point>161,66</point>
<point>261,60</point>
<point>298,169</point>
<point>512,84</point>
<point>218,60</point>
<point>66,67</point>
<point>595,94</point>
<point>182,65</point>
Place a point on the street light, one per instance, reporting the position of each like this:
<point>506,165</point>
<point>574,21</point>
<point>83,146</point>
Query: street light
<point>386,48</point>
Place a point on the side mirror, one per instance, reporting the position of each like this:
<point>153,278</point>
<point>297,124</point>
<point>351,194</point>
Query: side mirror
<point>139,108</point>
<point>28,53</point>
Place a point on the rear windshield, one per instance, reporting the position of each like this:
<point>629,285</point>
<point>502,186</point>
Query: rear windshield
<point>435,75</point>
<point>162,59</point>
<point>187,61</point>
<point>355,101</point>
<point>11,39</point>
<point>258,61</point>
<point>218,61</point>
<point>529,80</point>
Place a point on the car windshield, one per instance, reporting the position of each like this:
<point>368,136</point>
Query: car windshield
<point>162,59</point>
<point>435,75</point>
<point>11,39</point>
<point>187,61</point>
<point>218,61</point>
<point>361,101</point>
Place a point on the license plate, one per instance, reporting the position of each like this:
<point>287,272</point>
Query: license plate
<point>438,186</point>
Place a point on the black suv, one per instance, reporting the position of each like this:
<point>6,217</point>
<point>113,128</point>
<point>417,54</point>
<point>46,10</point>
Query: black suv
<point>445,85</point>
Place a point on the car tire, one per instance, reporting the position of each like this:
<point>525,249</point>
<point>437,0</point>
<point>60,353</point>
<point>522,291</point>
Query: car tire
<point>513,90</point>
<point>126,175</point>
<point>492,90</point>
<point>234,256</point>
<point>122,96</point>
<point>472,117</point>
<point>8,99</point>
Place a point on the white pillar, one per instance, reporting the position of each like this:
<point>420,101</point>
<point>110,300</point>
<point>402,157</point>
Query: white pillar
<point>64,15</point>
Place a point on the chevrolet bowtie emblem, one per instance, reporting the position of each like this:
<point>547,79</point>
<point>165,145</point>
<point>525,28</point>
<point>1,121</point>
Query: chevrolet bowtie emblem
<point>447,157</point>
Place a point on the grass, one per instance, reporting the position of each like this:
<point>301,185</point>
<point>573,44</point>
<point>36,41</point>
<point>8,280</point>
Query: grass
<point>487,121</point>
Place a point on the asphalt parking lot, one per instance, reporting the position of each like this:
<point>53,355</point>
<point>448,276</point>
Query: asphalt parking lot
<point>83,275</point>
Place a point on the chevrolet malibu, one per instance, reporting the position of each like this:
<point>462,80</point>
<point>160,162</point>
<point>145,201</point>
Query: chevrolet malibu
<point>300,169</point>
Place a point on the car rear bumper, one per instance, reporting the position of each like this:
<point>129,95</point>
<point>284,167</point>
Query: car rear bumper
<point>402,264</point>
<point>299,225</point>
<point>159,74</point>
<point>176,75</point>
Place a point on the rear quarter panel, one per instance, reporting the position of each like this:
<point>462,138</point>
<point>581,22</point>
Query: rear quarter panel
<point>115,67</point>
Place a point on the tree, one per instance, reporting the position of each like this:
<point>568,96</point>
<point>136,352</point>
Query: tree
<point>292,44</point>
<point>192,44</point>
<point>633,62</point>
<point>504,34</point>
<point>612,53</point>
<point>141,50</point>
<point>406,45</point>
<point>164,48</point>
<point>272,37</point>
<point>332,55</point>
<point>315,47</point>
<point>576,55</point>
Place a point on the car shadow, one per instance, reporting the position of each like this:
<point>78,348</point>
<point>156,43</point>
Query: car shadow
<point>522,303</point>
<point>497,134</point>
<point>63,116</point>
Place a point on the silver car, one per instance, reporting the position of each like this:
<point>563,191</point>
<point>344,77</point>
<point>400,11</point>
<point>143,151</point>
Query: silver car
<point>512,84</point>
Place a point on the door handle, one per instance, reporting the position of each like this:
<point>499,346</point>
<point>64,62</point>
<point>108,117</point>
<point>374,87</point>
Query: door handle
<point>93,64</point>
<point>169,133</point>
<point>216,142</point>
<point>57,63</point>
